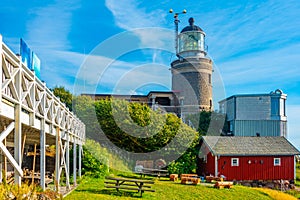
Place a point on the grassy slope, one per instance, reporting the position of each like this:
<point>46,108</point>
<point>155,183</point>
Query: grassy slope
<point>92,189</point>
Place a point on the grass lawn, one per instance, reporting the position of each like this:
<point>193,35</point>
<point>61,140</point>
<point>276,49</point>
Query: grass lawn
<point>92,189</point>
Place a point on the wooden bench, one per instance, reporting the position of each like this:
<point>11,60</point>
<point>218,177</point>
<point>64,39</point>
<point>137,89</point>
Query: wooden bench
<point>223,184</point>
<point>153,172</point>
<point>173,177</point>
<point>209,179</point>
<point>190,179</point>
<point>129,184</point>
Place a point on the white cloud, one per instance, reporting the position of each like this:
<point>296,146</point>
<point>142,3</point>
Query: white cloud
<point>47,35</point>
<point>248,27</point>
<point>50,25</point>
<point>277,64</point>
<point>128,15</point>
<point>120,76</point>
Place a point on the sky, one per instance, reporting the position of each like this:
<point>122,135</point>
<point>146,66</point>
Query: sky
<point>126,46</point>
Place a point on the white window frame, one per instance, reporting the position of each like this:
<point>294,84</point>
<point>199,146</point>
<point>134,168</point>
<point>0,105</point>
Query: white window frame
<point>277,161</point>
<point>234,164</point>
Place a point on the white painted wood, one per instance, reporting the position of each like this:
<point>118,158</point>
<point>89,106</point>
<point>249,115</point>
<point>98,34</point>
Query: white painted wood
<point>57,160</point>
<point>26,100</point>
<point>216,165</point>
<point>11,159</point>
<point>67,152</point>
<point>42,155</point>
<point>25,119</point>
<point>74,164</point>
<point>1,176</point>
<point>7,110</point>
<point>18,129</point>
<point>79,160</point>
<point>1,57</point>
<point>7,131</point>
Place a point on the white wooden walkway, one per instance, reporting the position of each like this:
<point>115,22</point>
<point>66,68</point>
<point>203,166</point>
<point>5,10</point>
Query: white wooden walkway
<point>29,112</point>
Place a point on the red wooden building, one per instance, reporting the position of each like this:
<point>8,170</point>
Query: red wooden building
<point>248,158</point>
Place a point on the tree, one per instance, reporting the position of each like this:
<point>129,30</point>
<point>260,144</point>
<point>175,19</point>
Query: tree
<point>64,95</point>
<point>137,129</point>
<point>209,123</point>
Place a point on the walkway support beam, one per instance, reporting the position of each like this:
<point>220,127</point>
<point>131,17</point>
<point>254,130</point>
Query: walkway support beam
<point>79,160</point>
<point>18,127</point>
<point>57,159</point>
<point>30,113</point>
<point>74,163</point>
<point>43,154</point>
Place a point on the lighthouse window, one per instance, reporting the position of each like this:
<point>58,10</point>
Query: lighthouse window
<point>191,41</point>
<point>209,78</point>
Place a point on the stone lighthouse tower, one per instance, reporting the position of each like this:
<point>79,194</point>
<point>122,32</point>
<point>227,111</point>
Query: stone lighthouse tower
<point>192,71</point>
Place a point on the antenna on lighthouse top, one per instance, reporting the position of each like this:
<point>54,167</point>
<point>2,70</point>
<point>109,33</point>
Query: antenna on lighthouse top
<point>176,21</point>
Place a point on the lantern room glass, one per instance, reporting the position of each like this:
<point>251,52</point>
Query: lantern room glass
<point>191,41</point>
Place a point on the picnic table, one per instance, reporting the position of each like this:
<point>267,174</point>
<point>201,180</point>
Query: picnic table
<point>129,184</point>
<point>189,178</point>
<point>223,184</point>
<point>209,179</point>
<point>153,172</point>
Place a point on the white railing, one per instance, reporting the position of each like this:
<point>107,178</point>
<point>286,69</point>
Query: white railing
<point>19,85</point>
<point>26,103</point>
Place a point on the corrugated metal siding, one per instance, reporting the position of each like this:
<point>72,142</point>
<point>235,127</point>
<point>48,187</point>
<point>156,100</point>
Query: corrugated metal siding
<point>260,168</point>
<point>251,127</point>
<point>230,109</point>
<point>253,108</point>
<point>283,128</point>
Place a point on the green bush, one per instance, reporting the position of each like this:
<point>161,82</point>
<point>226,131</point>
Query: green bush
<point>94,160</point>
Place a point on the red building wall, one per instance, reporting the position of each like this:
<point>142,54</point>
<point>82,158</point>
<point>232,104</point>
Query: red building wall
<point>209,166</point>
<point>256,168</point>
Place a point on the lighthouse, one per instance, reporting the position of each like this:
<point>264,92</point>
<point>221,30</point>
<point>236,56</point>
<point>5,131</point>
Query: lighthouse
<point>192,71</point>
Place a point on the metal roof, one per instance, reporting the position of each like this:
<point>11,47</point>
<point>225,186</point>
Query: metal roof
<point>191,27</point>
<point>249,146</point>
<point>277,92</point>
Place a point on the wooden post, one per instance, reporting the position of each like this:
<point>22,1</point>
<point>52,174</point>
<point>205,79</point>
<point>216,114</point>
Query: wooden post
<point>1,175</point>
<point>79,160</point>
<point>43,141</point>
<point>5,163</point>
<point>57,159</point>
<point>18,125</point>
<point>42,154</point>
<point>1,56</point>
<point>33,164</point>
<point>74,162</point>
<point>23,146</point>
<point>67,152</point>
<point>17,143</point>
<point>2,157</point>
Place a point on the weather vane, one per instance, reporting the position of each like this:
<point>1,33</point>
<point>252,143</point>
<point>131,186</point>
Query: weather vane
<point>176,21</point>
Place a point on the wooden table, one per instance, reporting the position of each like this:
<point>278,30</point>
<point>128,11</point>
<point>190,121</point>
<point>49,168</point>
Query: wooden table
<point>209,179</point>
<point>189,178</point>
<point>153,172</point>
<point>223,184</point>
<point>129,184</point>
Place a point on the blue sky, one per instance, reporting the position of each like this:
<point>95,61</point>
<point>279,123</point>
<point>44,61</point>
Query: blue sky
<point>255,45</point>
